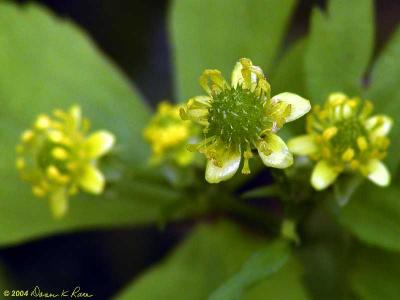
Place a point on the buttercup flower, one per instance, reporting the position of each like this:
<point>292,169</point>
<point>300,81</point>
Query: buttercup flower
<point>240,117</point>
<point>168,135</point>
<point>58,157</point>
<point>343,137</point>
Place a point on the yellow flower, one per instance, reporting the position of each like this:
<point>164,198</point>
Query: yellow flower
<point>240,117</point>
<point>58,157</point>
<point>343,137</point>
<point>168,135</point>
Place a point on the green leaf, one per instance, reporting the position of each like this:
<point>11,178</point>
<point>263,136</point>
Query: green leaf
<point>283,285</point>
<point>210,255</point>
<point>384,92</point>
<point>340,48</point>
<point>208,34</point>
<point>289,75</point>
<point>376,275</point>
<point>260,266</point>
<point>373,215</point>
<point>47,63</point>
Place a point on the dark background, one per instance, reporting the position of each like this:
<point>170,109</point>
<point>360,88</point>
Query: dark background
<point>134,35</point>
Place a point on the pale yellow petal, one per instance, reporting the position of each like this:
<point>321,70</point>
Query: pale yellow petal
<point>237,78</point>
<point>99,143</point>
<point>229,166</point>
<point>280,157</point>
<point>379,125</point>
<point>303,145</point>
<point>92,180</point>
<point>298,105</point>
<point>377,172</point>
<point>323,175</point>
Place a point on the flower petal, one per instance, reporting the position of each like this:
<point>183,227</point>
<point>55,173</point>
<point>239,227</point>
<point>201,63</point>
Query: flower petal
<point>377,172</point>
<point>323,175</point>
<point>58,203</point>
<point>299,106</point>
<point>212,80</point>
<point>76,116</point>
<point>280,157</point>
<point>92,180</point>
<point>379,125</point>
<point>254,74</point>
<point>237,77</point>
<point>230,164</point>
<point>99,143</point>
<point>303,145</point>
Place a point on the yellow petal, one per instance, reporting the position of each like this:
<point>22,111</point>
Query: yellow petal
<point>337,98</point>
<point>229,165</point>
<point>377,172</point>
<point>99,143</point>
<point>303,145</point>
<point>59,203</point>
<point>298,105</point>
<point>211,80</point>
<point>237,77</point>
<point>280,157</point>
<point>92,180</point>
<point>76,115</point>
<point>323,175</point>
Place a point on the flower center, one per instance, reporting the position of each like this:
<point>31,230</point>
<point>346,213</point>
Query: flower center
<point>236,116</point>
<point>348,132</point>
<point>53,154</point>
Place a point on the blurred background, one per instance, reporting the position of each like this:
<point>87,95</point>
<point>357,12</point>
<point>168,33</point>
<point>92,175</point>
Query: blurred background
<point>134,35</point>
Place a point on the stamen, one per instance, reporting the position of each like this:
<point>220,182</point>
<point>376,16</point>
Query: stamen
<point>348,154</point>
<point>362,143</point>
<point>329,133</point>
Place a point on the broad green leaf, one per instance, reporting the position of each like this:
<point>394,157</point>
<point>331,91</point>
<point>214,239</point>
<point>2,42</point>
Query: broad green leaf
<point>289,75</point>
<point>283,285</point>
<point>47,63</point>
<point>376,275</point>
<point>325,262</point>
<point>208,34</point>
<point>373,215</point>
<point>384,92</point>
<point>339,48</point>
<point>261,265</point>
<point>209,256</point>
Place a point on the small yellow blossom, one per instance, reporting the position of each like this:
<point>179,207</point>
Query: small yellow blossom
<point>57,156</point>
<point>168,135</point>
<point>239,118</point>
<point>343,137</point>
